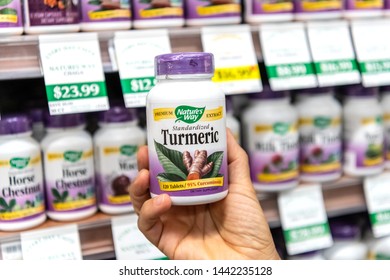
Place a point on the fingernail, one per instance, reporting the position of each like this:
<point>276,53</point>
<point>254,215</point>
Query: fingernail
<point>158,200</point>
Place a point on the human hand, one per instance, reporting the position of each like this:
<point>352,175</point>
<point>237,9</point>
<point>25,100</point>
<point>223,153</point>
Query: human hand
<point>232,228</point>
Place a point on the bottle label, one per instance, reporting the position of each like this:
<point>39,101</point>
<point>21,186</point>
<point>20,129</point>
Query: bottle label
<point>364,4</point>
<point>158,9</point>
<point>310,6</point>
<point>117,168</point>
<point>273,153</point>
<point>271,7</point>
<point>364,145</point>
<point>212,9</point>
<point>102,11</point>
<point>10,13</point>
<point>52,12</point>
<point>187,148</point>
<point>21,187</point>
<point>320,145</point>
<point>70,183</point>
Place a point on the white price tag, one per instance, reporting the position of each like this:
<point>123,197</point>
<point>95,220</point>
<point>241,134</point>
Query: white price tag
<point>73,73</point>
<point>377,193</point>
<point>135,52</point>
<point>333,54</point>
<point>304,220</point>
<point>236,65</point>
<point>11,251</point>
<point>372,46</point>
<point>286,56</point>
<point>129,241</point>
<point>57,243</point>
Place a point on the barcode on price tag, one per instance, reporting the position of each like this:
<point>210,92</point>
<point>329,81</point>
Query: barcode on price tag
<point>287,56</point>
<point>73,73</point>
<point>236,66</point>
<point>372,47</point>
<point>130,243</point>
<point>57,243</point>
<point>135,52</point>
<point>332,52</point>
<point>304,221</point>
<point>377,193</point>
<point>11,251</point>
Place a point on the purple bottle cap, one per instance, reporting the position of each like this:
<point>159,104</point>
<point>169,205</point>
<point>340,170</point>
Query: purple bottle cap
<point>37,115</point>
<point>360,91</point>
<point>63,121</point>
<point>268,93</point>
<point>14,124</point>
<point>184,63</point>
<point>118,114</point>
<point>344,229</point>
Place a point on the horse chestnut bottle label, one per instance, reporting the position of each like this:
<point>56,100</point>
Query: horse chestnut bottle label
<point>187,130</point>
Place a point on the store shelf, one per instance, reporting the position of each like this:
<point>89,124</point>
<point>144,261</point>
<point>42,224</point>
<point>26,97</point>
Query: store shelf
<point>344,196</point>
<point>19,55</point>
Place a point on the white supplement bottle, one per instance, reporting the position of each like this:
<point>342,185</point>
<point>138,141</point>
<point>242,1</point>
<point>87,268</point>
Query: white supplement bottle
<point>231,121</point>
<point>319,135</point>
<point>116,143</point>
<point>354,9</point>
<point>22,203</point>
<point>271,140</point>
<point>378,248</point>
<point>363,132</point>
<point>385,102</point>
<point>318,10</point>
<point>187,130</point>
<point>68,168</point>
<point>268,11</point>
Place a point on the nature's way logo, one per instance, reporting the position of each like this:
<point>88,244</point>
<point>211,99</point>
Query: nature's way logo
<point>281,128</point>
<point>72,156</point>
<point>128,150</point>
<point>188,114</point>
<point>322,122</point>
<point>19,163</point>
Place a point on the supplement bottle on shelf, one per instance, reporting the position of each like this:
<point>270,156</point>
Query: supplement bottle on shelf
<point>22,203</point>
<point>363,132</point>
<point>347,241</point>
<point>157,13</point>
<point>271,140</point>
<point>268,11</point>
<point>385,102</point>
<point>318,9</point>
<point>378,248</point>
<point>212,12</point>
<point>187,130</point>
<point>320,135</point>
<point>11,18</point>
<point>363,9</point>
<point>51,16</point>
<point>68,168</point>
<point>105,15</point>
<point>116,143</point>
<point>231,121</point>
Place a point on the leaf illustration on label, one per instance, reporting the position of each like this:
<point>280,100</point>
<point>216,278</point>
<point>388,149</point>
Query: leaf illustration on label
<point>171,160</point>
<point>128,150</point>
<point>168,177</point>
<point>8,11</point>
<point>216,158</point>
<point>281,128</point>
<point>5,2</point>
<point>73,156</point>
<point>188,114</point>
<point>19,163</point>
<point>322,122</point>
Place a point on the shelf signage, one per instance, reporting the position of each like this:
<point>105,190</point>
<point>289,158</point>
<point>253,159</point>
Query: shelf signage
<point>11,251</point>
<point>236,64</point>
<point>135,52</point>
<point>304,220</point>
<point>73,73</point>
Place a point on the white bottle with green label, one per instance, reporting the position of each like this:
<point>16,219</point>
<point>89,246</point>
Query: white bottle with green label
<point>320,135</point>
<point>385,102</point>
<point>363,132</point>
<point>271,141</point>
<point>187,130</point>
<point>69,168</point>
<point>116,143</point>
<point>22,203</point>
